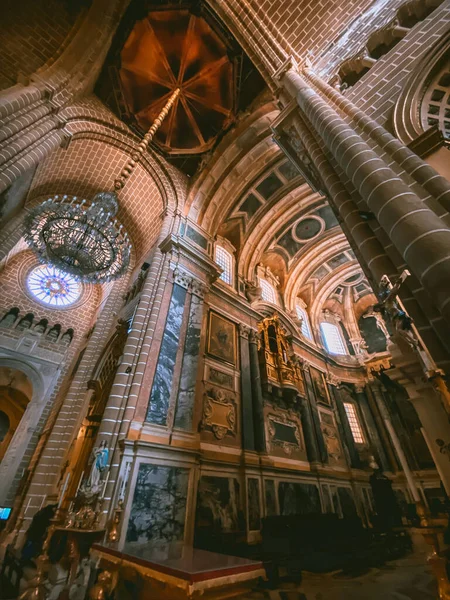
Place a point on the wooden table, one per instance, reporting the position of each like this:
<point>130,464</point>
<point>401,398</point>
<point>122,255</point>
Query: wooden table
<point>190,574</point>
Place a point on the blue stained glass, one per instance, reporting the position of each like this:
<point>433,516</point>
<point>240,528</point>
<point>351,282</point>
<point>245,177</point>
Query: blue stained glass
<point>53,287</point>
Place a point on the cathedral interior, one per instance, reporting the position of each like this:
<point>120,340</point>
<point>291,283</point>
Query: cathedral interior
<point>225,299</point>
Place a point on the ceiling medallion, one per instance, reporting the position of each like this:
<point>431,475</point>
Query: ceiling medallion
<point>84,238</point>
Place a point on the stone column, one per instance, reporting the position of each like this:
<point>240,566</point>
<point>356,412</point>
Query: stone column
<point>355,461</point>
<point>420,236</point>
<point>396,442</point>
<point>434,183</point>
<point>370,251</point>
<point>248,424</point>
<point>189,368</point>
<point>321,446</point>
<point>258,401</point>
<point>435,430</point>
<point>372,429</point>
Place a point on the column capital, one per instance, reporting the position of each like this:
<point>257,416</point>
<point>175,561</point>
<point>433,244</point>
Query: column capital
<point>333,380</point>
<point>198,288</point>
<point>182,278</point>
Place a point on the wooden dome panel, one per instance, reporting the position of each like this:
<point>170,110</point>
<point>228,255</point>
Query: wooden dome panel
<point>170,49</point>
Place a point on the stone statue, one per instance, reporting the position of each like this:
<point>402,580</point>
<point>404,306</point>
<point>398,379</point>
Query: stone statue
<point>100,461</point>
<point>67,337</point>
<point>390,310</point>
<point>54,332</point>
<point>41,326</point>
<point>26,322</point>
<point>252,291</point>
<point>10,318</point>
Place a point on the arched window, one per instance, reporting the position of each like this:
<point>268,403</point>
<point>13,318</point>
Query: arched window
<point>268,292</point>
<point>225,260</point>
<point>303,315</point>
<point>333,338</point>
<point>354,423</point>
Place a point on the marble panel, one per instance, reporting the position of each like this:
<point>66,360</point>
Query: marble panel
<point>327,502</point>
<point>158,509</point>
<point>298,498</point>
<point>188,379</point>
<point>254,505</point>
<point>219,506</point>
<point>347,502</point>
<point>162,383</point>
<point>270,494</point>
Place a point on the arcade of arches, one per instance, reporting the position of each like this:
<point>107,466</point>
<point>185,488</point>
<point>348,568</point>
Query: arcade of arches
<point>277,350</point>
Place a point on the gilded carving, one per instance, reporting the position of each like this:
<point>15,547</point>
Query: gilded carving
<point>219,413</point>
<point>282,367</point>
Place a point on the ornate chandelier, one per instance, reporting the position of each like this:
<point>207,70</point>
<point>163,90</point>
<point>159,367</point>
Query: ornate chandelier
<point>81,239</point>
<point>84,238</point>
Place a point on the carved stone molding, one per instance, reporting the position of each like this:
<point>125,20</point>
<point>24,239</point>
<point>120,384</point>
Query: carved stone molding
<point>287,420</point>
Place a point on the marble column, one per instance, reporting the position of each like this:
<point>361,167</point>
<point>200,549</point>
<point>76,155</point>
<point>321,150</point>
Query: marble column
<point>248,425</point>
<point>189,369</point>
<point>321,446</point>
<point>312,449</point>
<point>162,383</point>
<point>258,401</point>
<point>355,461</point>
<point>421,237</point>
<point>372,430</point>
<point>377,392</point>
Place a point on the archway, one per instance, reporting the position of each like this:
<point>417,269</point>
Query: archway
<point>15,394</point>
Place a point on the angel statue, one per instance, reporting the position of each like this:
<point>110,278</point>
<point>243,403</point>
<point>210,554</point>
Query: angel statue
<point>100,456</point>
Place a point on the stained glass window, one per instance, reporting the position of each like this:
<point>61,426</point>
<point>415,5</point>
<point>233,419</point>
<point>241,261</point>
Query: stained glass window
<point>354,422</point>
<point>225,260</point>
<point>333,338</point>
<point>53,287</point>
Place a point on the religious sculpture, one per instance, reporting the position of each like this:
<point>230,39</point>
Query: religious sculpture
<point>100,461</point>
<point>252,291</point>
<point>390,310</point>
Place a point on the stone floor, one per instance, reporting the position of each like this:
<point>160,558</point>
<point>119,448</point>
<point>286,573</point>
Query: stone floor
<point>405,579</point>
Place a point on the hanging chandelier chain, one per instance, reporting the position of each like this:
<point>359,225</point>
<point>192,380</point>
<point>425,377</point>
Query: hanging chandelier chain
<point>120,181</point>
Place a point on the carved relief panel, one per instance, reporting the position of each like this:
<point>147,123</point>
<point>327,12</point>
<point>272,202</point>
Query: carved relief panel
<point>284,435</point>
<point>220,408</point>
<point>331,437</point>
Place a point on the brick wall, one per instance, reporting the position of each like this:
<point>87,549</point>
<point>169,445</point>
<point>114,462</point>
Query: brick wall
<point>353,38</point>
<point>79,318</point>
<point>377,92</point>
<point>31,33</point>
<point>308,26</point>
<point>89,166</point>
